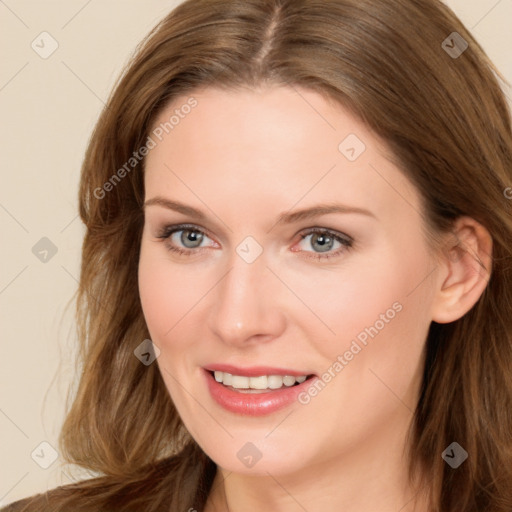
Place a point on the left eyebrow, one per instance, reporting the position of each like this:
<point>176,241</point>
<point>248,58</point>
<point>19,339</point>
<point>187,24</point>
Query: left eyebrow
<point>321,209</point>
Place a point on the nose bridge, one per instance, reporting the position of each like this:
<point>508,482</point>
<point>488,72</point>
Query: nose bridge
<point>245,298</point>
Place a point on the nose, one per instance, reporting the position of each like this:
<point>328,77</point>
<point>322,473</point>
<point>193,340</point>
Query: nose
<point>246,304</point>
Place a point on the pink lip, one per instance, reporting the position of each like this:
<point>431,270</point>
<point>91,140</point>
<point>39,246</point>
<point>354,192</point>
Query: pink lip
<point>255,404</point>
<point>254,371</point>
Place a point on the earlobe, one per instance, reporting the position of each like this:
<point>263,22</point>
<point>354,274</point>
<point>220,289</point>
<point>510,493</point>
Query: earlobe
<point>465,270</point>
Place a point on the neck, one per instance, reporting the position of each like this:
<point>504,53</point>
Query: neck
<point>372,477</point>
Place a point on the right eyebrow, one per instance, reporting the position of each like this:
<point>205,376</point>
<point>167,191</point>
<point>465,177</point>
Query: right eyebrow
<point>176,206</point>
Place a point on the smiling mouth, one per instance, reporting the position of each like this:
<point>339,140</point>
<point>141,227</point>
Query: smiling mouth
<point>258,384</point>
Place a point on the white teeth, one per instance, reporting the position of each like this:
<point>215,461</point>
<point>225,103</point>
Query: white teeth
<point>275,381</point>
<point>239,382</point>
<point>288,380</point>
<point>260,382</point>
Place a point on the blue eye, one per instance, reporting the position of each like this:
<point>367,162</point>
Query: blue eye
<point>191,238</point>
<point>324,240</point>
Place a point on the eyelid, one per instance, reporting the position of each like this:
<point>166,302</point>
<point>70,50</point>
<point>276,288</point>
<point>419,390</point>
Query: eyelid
<point>168,229</point>
<point>345,240</point>
<point>334,233</point>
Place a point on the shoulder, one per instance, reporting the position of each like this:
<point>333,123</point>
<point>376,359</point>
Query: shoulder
<point>17,506</point>
<point>150,489</point>
<point>67,497</point>
<point>99,494</point>
<point>39,502</point>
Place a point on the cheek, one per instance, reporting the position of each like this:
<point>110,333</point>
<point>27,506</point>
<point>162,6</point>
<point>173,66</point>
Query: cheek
<point>369,300</point>
<point>154,295</point>
<point>379,311</point>
<point>382,336</point>
<point>167,297</point>
<point>166,291</point>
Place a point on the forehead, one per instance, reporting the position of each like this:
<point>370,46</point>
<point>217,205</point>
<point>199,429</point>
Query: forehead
<point>275,144</point>
<point>277,117</point>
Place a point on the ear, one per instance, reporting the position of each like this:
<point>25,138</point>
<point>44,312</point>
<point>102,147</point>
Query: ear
<point>465,263</point>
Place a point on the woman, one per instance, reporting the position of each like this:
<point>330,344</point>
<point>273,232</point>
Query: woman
<point>296,289</point>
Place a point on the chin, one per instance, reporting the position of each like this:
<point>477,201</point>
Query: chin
<point>259,457</point>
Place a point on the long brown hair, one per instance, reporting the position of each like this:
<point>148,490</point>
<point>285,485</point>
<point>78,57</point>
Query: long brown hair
<point>446,121</point>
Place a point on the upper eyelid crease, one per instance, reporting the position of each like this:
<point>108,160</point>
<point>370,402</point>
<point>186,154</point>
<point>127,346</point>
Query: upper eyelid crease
<point>283,218</point>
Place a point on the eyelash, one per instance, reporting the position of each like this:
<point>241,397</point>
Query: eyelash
<point>347,242</point>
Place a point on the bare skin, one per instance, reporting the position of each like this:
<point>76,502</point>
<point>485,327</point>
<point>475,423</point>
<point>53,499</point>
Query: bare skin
<point>244,158</point>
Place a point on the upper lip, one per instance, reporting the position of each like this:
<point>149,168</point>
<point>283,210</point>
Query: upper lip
<point>254,371</point>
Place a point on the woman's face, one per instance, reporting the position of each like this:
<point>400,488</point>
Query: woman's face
<point>344,298</point>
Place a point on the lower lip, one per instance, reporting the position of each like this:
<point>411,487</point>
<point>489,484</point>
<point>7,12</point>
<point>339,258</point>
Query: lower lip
<point>254,404</point>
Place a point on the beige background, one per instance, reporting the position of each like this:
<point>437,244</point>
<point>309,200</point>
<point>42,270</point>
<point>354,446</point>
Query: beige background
<point>48,108</point>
